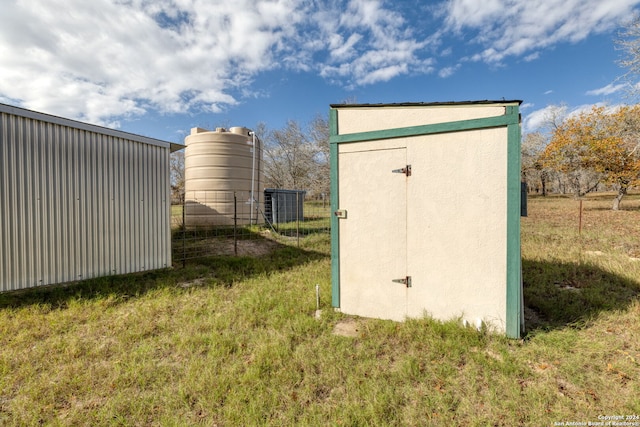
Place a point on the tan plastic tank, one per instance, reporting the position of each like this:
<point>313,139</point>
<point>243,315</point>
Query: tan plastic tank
<point>219,165</point>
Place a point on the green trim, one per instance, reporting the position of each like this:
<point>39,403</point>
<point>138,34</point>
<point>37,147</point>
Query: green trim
<point>457,126</point>
<point>335,223</point>
<point>514,259</point>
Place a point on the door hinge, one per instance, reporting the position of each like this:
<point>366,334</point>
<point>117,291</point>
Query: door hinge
<point>405,281</point>
<point>405,170</point>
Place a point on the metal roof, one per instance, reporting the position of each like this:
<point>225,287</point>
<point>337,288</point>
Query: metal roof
<point>22,112</point>
<point>428,104</point>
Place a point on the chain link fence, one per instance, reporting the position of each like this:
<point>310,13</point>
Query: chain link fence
<point>214,223</point>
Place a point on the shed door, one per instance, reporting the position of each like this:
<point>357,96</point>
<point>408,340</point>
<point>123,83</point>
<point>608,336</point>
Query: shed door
<point>373,236</point>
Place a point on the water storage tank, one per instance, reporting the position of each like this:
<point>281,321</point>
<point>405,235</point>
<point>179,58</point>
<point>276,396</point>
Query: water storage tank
<point>220,169</point>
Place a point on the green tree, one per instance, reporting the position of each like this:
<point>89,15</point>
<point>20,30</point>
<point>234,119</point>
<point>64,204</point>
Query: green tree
<point>617,152</point>
<point>597,146</point>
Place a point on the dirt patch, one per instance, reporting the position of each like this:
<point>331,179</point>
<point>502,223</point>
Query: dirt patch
<point>192,283</point>
<point>347,328</point>
<point>226,246</point>
<point>252,247</point>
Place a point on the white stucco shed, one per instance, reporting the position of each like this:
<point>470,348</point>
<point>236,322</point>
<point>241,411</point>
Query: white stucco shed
<point>426,203</point>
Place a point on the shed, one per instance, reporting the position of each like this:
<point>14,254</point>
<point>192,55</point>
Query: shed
<point>79,201</point>
<point>426,203</point>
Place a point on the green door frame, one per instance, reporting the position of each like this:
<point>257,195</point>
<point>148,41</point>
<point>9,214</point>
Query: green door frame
<point>510,120</point>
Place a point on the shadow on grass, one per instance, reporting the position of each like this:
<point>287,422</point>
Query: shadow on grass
<point>558,295</point>
<point>304,228</point>
<point>217,270</point>
<point>609,196</point>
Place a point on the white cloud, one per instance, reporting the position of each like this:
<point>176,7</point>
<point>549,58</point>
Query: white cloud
<point>100,59</point>
<point>522,27</point>
<point>448,71</point>
<point>384,74</point>
<point>368,43</point>
<point>583,108</point>
<point>472,13</point>
<point>532,57</point>
<point>341,49</point>
<point>606,90</point>
<point>539,119</point>
<point>103,59</point>
<point>545,118</point>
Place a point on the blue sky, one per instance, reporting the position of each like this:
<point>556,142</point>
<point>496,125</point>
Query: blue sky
<point>161,67</point>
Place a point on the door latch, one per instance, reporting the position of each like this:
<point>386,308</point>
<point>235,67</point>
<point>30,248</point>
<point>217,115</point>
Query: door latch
<point>405,170</point>
<point>340,213</point>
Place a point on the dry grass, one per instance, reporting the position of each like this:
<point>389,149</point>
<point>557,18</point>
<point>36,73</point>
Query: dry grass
<point>571,275</point>
<point>232,341</point>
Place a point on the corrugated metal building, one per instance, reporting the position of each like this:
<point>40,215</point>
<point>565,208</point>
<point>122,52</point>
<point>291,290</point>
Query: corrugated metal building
<point>79,201</point>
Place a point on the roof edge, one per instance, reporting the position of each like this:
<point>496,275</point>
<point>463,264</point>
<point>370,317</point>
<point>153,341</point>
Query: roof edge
<point>50,118</point>
<point>429,104</point>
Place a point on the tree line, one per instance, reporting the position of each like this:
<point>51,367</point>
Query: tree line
<point>581,153</point>
<point>598,148</point>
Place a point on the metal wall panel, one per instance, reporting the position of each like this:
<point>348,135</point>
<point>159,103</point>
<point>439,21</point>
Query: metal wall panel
<point>78,203</point>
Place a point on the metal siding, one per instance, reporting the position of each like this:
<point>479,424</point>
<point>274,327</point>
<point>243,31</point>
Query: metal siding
<point>3,192</point>
<point>77,204</point>
<point>61,121</point>
<point>127,210</point>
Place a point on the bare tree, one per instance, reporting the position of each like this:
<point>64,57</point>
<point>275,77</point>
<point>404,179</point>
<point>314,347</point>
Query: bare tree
<point>319,135</point>
<point>176,166</point>
<point>628,42</point>
<point>554,117</point>
<point>297,157</point>
<point>534,172</point>
<point>289,157</point>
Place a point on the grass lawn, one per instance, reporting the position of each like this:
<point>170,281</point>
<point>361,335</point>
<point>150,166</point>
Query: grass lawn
<point>233,341</point>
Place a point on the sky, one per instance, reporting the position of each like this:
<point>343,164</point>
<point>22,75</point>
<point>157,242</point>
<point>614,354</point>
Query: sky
<point>160,67</point>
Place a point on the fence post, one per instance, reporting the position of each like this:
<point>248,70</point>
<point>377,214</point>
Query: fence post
<point>184,233</point>
<point>235,224</point>
<point>580,219</point>
<point>298,217</point>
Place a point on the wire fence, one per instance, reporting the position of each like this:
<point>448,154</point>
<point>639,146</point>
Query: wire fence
<point>213,223</point>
